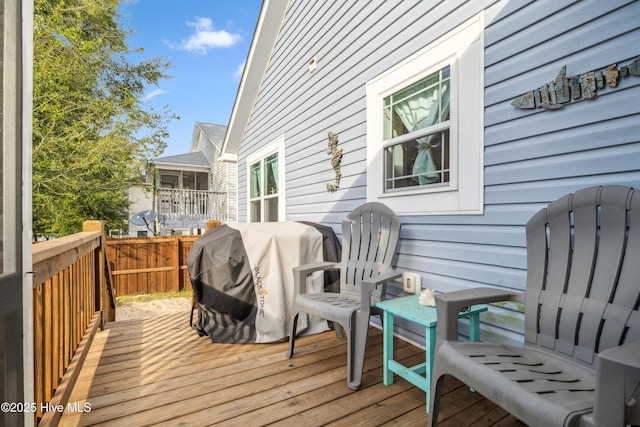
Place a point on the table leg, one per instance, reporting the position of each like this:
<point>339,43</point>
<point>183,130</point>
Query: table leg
<point>474,327</point>
<point>387,347</point>
<point>430,347</point>
<point>474,332</point>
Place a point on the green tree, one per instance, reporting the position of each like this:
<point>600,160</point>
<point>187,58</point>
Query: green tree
<point>92,131</point>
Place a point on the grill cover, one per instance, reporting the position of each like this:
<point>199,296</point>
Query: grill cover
<point>242,278</point>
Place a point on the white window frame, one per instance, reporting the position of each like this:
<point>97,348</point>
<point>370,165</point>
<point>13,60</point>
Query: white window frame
<point>275,146</point>
<point>463,50</point>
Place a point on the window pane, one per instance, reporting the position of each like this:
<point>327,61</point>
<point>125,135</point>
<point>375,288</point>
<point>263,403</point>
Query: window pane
<point>202,181</point>
<point>393,125</point>
<point>169,181</point>
<point>271,209</point>
<point>255,211</point>
<point>271,174</point>
<point>188,180</point>
<point>255,180</point>
<point>421,161</point>
<point>418,106</point>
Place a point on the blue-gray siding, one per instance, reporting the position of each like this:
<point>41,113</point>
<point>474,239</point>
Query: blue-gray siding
<point>531,157</point>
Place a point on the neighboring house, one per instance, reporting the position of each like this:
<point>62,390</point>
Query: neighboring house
<point>187,190</point>
<point>207,138</point>
<point>420,97</point>
<point>140,199</point>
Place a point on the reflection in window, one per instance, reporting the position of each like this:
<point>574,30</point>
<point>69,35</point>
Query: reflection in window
<point>256,174</point>
<point>271,174</point>
<point>416,133</point>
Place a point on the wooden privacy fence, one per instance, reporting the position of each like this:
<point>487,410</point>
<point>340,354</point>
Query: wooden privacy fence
<point>72,297</point>
<point>146,265</point>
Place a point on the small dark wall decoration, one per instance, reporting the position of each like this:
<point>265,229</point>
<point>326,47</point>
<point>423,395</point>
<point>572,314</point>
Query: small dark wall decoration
<point>336,158</point>
<point>563,89</point>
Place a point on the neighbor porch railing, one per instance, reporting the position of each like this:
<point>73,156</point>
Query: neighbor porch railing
<point>73,296</point>
<point>192,204</point>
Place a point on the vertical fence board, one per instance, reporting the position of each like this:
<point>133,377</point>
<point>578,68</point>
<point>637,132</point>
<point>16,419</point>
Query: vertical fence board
<point>184,246</point>
<point>145,265</point>
<point>142,253</point>
<point>130,260</point>
<point>173,278</point>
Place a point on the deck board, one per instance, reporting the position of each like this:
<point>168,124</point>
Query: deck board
<point>158,371</point>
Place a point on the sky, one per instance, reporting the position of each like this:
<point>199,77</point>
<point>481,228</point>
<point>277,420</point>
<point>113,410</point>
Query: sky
<point>206,42</point>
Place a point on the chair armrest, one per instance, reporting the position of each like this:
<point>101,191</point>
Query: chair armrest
<point>301,272</point>
<point>617,377</point>
<point>368,286</point>
<point>449,304</point>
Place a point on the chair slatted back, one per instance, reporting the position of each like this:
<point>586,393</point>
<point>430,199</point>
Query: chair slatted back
<point>583,272</point>
<point>370,237</point>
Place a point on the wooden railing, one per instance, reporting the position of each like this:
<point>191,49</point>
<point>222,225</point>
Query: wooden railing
<point>73,296</point>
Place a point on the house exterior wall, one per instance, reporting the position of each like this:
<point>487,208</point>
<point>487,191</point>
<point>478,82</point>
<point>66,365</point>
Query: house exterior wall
<point>222,174</point>
<point>140,199</point>
<point>232,190</point>
<point>223,178</point>
<point>531,157</point>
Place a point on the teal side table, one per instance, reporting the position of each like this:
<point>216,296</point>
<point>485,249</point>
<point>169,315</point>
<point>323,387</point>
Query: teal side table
<point>408,308</point>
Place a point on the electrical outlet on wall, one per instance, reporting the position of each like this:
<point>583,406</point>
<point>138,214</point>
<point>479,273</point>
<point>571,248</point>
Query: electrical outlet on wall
<point>411,282</point>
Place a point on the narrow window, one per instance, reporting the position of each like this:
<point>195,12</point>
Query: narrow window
<point>264,191</point>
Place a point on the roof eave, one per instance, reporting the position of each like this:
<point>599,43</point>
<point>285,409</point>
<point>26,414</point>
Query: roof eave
<point>194,137</point>
<point>264,39</point>
<point>181,167</point>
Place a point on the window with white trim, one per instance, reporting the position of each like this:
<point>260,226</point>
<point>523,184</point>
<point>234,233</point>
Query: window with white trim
<point>425,140</point>
<point>416,133</point>
<point>265,188</point>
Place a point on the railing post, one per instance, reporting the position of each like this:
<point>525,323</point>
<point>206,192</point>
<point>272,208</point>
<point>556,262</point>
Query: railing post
<point>212,223</point>
<point>105,299</point>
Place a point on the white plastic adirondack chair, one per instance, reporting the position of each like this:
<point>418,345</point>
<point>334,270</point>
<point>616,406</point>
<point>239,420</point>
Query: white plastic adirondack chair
<point>580,364</point>
<point>369,241</point>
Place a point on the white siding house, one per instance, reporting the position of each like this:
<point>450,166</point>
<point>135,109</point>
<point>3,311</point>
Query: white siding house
<point>368,71</point>
<point>187,190</point>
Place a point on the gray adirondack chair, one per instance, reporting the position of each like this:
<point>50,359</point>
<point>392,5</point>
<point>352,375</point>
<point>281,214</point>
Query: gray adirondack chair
<point>369,241</point>
<point>580,364</point>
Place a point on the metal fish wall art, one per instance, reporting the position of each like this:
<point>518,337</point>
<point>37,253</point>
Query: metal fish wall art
<point>563,89</point>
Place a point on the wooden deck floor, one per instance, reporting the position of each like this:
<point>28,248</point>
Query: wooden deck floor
<point>157,371</point>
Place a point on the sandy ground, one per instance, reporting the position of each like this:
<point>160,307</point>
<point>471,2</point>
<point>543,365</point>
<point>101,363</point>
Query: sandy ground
<point>139,310</point>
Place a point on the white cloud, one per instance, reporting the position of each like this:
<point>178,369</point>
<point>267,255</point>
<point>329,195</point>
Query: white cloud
<point>153,94</point>
<point>206,37</point>
<point>239,70</point>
